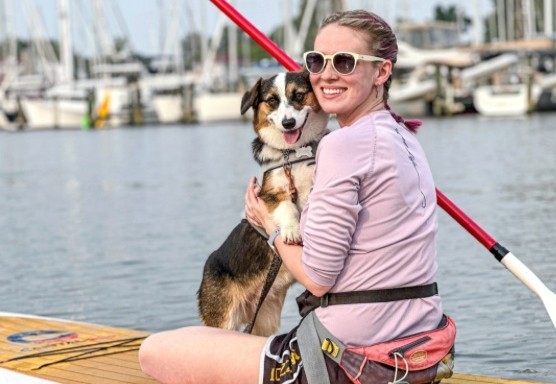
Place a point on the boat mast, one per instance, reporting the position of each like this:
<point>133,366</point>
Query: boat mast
<point>501,18</point>
<point>510,17</point>
<point>301,36</point>
<point>233,68</point>
<point>476,24</point>
<point>107,48</point>
<point>548,27</point>
<point>528,23</point>
<point>9,31</point>
<point>66,53</point>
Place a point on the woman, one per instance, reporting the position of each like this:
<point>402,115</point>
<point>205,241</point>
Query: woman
<point>370,224</point>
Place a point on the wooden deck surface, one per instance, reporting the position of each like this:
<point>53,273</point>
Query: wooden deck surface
<point>124,368</point>
<point>459,378</point>
<point>70,352</point>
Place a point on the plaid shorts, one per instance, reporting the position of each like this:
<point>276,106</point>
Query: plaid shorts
<point>281,362</point>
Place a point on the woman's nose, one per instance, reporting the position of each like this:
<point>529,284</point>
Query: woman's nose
<point>328,72</point>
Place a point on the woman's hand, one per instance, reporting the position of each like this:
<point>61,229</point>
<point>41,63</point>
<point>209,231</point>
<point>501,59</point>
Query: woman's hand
<point>256,211</point>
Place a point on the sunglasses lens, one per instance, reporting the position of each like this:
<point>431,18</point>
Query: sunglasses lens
<point>314,62</point>
<point>344,63</point>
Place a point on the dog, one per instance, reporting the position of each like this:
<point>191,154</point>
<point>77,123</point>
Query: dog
<point>289,123</point>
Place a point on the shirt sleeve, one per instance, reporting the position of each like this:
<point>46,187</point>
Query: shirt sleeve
<point>333,209</point>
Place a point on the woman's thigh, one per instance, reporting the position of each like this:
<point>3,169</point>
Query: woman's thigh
<point>202,355</point>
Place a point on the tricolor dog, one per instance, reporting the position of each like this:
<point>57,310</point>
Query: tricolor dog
<point>289,124</point>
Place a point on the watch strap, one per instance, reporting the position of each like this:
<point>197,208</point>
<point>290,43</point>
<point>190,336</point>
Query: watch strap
<point>272,237</point>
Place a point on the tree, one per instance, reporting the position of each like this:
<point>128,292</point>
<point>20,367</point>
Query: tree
<point>451,13</point>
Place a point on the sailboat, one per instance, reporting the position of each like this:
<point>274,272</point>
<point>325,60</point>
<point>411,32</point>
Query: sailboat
<point>63,105</point>
<point>197,94</point>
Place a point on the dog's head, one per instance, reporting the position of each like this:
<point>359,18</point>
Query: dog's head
<point>286,112</point>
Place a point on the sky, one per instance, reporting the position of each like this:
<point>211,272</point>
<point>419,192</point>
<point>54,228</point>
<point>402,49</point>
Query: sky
<point>143,20</point>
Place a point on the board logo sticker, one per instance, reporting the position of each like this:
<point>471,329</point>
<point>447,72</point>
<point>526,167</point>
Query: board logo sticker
<point>41,336</point>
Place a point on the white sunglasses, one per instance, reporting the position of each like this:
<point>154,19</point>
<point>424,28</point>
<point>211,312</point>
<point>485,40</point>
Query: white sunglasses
<point>343,62</point>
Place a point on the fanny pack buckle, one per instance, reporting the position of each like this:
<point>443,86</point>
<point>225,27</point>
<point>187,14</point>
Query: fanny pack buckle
<point>324,300</point>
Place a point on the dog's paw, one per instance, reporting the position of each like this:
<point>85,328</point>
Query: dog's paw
<point>290,234</point>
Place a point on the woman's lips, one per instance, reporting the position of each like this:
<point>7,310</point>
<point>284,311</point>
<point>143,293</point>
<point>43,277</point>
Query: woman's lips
<point>333,91</point>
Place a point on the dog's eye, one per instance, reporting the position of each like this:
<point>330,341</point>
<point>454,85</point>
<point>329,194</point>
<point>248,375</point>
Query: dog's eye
<point>273,101</point>
<point>298,97</point>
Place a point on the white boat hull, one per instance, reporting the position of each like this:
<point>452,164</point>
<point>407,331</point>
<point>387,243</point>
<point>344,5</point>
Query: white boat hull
<point>169,108</point>
<point>45,114</point>
<point>211,107</point>
<point>506,100</point>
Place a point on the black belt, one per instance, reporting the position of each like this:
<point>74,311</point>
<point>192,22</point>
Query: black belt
<point>307,301</point>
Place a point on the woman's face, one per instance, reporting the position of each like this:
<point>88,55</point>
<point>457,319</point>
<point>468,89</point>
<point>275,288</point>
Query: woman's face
<point>348,96</point>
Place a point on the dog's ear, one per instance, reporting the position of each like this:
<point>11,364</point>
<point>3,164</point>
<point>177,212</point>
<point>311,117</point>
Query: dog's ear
<point>250,98</point>
<point>304,72</point>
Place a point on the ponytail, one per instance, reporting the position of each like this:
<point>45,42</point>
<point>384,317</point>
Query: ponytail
<point>412,125</point>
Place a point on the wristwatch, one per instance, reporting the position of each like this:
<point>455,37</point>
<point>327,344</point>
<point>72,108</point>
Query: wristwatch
<point>272,237</point>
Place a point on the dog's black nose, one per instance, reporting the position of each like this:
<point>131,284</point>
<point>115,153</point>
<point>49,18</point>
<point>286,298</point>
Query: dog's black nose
<point>288,123</point>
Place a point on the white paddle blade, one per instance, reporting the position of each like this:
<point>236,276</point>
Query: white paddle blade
<point>535,284</point>
<point>549,301</point>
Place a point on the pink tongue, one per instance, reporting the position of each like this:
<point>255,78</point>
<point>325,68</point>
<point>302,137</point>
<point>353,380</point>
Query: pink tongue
<point>292,136</point>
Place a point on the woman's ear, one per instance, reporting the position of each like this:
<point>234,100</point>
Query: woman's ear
<point>384,72</point>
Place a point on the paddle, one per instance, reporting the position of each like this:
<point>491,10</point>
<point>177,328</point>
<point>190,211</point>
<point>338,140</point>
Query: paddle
<point>505,257</point>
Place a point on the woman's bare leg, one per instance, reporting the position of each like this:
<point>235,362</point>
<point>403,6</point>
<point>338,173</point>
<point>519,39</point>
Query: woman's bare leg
<point>202,355</point>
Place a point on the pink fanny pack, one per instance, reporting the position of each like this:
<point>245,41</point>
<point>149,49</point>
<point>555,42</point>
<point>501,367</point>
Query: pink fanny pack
<point>421,358</point>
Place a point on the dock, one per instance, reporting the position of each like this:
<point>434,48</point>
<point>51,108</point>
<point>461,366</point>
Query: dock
<point>460,378</point>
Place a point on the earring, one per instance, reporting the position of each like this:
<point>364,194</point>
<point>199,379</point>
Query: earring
<point>378,89</point>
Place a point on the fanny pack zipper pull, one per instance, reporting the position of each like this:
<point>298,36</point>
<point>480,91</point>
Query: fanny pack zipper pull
<point>404,348</point>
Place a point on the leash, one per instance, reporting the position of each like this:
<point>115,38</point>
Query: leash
<point>270,278</point>
<point>288,171</point>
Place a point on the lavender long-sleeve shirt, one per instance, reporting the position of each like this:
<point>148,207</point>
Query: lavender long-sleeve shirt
<point>370,223</point>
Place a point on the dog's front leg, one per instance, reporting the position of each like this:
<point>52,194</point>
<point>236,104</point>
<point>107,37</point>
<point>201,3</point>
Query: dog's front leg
<point>286,216</point>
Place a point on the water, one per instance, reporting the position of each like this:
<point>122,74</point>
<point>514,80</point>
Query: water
<point>113,227</point>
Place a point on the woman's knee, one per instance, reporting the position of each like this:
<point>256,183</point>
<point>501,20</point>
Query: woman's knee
<point>148,354</point>
<point>201,355</point>
<point>164,356</point>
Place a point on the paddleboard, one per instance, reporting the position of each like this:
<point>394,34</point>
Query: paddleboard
<point>41,350</point>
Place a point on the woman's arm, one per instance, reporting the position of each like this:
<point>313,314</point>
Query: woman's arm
<point>257,214</point>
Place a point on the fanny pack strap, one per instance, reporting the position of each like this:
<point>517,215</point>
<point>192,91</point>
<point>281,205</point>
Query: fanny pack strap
<point>379,295</point>
<point>313,340</point>
<point>306,302</point>
<point>311,353</point>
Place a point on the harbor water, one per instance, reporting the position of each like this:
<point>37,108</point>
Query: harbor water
<point>113,227</point>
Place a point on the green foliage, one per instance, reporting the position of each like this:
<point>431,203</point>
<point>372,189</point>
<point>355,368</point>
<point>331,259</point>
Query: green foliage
<point>450,14</point>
